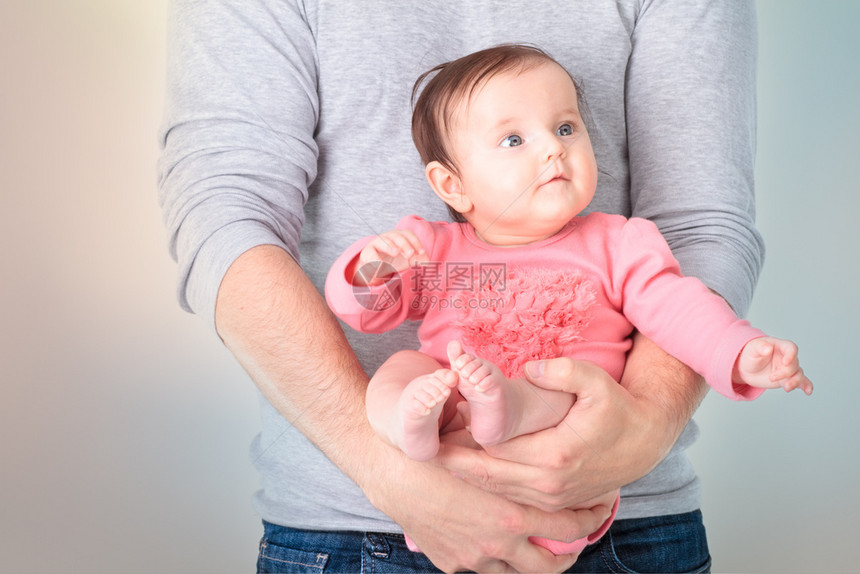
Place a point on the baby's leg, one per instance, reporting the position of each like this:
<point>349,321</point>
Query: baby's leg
<point>502,408</point>
<point>406,402</point>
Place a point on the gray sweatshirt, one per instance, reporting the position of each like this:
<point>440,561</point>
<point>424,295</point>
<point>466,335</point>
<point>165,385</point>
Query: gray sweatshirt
<point>287,122</point>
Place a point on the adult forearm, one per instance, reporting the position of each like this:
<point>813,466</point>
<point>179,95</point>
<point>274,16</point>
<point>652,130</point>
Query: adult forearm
<point>280,329</point>
<point>273,319</point>
<point>669,391</point>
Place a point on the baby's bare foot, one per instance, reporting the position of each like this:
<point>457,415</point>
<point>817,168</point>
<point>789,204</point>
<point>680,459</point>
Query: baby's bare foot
<point>416,429</point>
<point>493,413</point>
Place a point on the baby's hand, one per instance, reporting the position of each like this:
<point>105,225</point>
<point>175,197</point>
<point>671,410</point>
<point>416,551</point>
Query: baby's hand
<point>398,248</point>
<point>769,363</point>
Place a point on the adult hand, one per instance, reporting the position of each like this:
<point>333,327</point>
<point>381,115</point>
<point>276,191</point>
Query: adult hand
<point>612,435</point>
<point>322,392</point>
<point>460,527</point>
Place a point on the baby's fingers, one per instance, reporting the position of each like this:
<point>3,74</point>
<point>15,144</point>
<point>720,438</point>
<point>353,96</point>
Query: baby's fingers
<point>798,381</point>
<point>794,380</point>
<point>389,246</point>
<point>413,242</point>
<point>787,350</point>
<point>403,244</point>
<point>784,363</point>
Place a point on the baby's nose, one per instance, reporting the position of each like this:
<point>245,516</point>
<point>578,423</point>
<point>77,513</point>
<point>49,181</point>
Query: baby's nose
<point>554,149</point>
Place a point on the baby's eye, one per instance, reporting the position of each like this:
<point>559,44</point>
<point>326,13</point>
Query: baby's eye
<point>565,130</point>
<point>512,141</point>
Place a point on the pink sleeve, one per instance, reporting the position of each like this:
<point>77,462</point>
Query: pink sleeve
<point>679,313</point>
<point>379,308</point>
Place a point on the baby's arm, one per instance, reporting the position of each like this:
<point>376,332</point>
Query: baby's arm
<point>769,363</point>
<point>399,248</point>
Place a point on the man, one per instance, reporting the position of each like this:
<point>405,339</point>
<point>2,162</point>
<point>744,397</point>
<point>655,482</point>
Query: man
<point>286,137</point>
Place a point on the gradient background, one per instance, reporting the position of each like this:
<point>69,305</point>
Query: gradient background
<point>124,424</point>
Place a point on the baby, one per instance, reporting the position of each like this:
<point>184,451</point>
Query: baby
<point>520,275</point>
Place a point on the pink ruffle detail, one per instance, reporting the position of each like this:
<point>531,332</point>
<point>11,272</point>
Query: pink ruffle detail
<point>533,315</point>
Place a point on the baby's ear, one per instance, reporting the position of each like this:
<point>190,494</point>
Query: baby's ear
<point>446,184</point>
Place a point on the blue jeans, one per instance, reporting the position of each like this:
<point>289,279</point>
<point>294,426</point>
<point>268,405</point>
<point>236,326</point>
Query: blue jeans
<point>673,543</point>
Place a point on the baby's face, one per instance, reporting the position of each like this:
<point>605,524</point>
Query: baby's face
<point>524,156</point>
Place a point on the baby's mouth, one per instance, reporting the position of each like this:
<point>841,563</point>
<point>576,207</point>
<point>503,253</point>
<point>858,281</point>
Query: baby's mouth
<point>556,177</point>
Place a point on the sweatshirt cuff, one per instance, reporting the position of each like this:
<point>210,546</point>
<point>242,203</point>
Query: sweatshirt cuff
<point>723,362</point>
<point>199,292</point>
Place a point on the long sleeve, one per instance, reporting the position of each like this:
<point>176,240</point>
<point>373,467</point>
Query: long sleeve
<point>691,105</point>
<point>373,309</point>
<point>382,307</point>
<point>679,313</point>
<point>237,140</point>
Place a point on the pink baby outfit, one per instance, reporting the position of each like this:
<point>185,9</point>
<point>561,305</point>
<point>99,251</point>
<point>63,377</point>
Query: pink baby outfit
<point>579,294</point>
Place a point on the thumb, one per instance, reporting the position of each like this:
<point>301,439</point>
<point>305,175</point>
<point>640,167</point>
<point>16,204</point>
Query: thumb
<point>563,374</point>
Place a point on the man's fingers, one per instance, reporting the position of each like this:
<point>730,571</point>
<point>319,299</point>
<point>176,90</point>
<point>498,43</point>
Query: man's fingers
<point>480,469</point>
<point>527,484</point>
<point>492,566</point>
<point>575,525</point>
<point>564,374</point>
<point>537,559</point>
